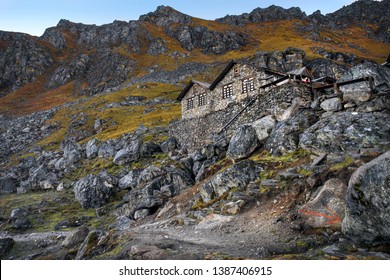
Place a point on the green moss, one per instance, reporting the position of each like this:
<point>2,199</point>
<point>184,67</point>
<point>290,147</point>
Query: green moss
<point>305,172</point>
<point>341,165</point>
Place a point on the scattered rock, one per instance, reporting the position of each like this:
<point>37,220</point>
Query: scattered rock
<point>332,104</point>
<point>76,237</point>
<point>21,224</point>
<point>366,217</point>
<point>92,148</point>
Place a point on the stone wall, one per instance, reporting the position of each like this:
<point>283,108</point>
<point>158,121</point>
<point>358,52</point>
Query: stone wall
<point>195,132</point>
<point>214,98</point>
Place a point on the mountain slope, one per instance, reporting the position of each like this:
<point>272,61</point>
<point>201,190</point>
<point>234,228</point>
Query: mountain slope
<point>74,58</point>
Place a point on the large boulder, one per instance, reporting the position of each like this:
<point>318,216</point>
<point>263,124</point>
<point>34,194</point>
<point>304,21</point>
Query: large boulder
<point>40,178</point>
<point>263,127</point>
<point>237,176</point>
<point>131,153</point>
<point>243,143</point>
<point>155,186</point>
<point>285,135</point>
<point>332,104</point>
<point>76,237</point>
<point>348,132</point>
<point>367,216</point>
<point>106,150</point>
<point>326,209</point>
<point>130,180</point>
<point>92,192</point>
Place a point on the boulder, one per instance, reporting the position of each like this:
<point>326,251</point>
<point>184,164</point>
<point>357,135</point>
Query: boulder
<point>332,104</point>
<point>8,184</point>
<point>169,145</point>
<point>40,178</point>
<point>21,224</point>
<point>75,238</point>
<point>263,127</point>
<point>149,174</point>
<point>18,213</point>
<point>92,192</point>
<point>348,132</point>
<point>326,209</point>
<point>106,150</point>
<point>284,137</point>
<point>367,216</point>
<point>72,151</point>
<point>243,143</point>
<point>130,180</point>
<point>140,214</point>
<point>237,176</point>
<point>131,153</point>
<point>6,245</point>
<point>155,186</point>
<point>149,149</point>
<point>92,148</point>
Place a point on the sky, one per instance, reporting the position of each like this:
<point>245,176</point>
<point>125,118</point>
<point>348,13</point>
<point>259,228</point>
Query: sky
<point>34,16</point>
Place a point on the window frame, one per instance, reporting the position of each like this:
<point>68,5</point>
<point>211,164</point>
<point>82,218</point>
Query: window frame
<point>190,103</point>
<point>248,85</point>
<point>202,99</point>
<point>227,91</point>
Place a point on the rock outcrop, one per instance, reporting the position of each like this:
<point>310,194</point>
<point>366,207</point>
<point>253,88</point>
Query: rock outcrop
<point>351,132</point>
<point>367,217</point>
<point>92,191</point>
<point>243,143</point>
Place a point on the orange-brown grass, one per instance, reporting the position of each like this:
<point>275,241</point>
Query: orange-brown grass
<point>33,97</point>
<point>121,119</point>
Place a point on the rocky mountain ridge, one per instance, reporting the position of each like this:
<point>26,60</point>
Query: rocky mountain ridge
<point>97,58</point>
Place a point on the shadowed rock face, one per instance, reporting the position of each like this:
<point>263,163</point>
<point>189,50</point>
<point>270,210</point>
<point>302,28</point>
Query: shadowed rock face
<point>22,60</point>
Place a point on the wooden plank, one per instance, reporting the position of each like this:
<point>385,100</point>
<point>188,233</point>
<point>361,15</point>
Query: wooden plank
<point>344,83</point>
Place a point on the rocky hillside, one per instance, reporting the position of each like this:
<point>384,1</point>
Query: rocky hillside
<point>91,167</point>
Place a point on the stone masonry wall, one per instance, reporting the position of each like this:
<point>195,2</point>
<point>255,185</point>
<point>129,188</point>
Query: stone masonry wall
<point>214,98</point>
<point>195,132</point>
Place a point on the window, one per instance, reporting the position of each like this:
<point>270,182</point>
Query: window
<point>227,91</point>
<point>190,103</point>
<point>248,85</point>
<point>202,99</point>
<point>237,70</point>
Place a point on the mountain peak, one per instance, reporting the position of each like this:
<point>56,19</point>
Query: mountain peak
<point>165,15</point>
